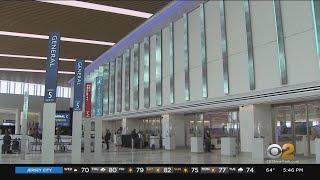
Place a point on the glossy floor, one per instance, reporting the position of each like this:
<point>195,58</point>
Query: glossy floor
<point>128,156</point>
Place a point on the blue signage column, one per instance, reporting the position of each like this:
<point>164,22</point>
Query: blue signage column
<point>52,68</point>
<point>77,111</point>
<point>98,116</point>
<point>78,85</point>
<point>49,106</point>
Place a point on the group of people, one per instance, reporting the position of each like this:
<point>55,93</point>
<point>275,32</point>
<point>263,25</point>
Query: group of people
<point>138,140</point>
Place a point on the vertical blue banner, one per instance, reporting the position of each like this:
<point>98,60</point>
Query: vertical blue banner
<point>52,67</point>
<point>78,85</point>
<point>99,96</point>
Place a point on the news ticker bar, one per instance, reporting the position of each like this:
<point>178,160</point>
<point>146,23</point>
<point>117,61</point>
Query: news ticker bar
<point>134,170</point>
<point>205,169</point>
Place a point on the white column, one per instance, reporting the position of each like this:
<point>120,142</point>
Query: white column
<point>48,134</point>
<point>98,139</point>
<point>255,121</point>
<point>124,126</point>
<point>24,137</point>
<point>17,122</point>
<point>76,137</point>
<point>87,140</point>
<point>173,131</point>
<point>317,150</point>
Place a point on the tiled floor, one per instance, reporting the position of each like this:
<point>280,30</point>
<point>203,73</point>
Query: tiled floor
<point>128,156</point>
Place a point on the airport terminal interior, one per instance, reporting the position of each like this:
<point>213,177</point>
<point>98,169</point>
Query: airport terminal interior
<point>160,82</point>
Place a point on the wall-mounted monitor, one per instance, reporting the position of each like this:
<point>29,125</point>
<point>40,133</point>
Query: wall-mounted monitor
<point>63,119</point>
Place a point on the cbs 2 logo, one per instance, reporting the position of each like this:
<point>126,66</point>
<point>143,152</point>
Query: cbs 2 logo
<point>275,151</point>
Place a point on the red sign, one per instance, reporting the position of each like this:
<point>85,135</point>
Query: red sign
<point>88,100</point>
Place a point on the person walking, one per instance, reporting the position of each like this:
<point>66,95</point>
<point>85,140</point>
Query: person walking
<point>207,141</point>
<point>107,137</point>
<point>6,142</point>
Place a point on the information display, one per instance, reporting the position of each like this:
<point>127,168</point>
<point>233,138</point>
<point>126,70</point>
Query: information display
<point>62,119</point>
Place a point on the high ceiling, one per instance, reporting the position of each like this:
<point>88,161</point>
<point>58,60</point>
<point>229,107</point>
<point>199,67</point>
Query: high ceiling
<point>41,18</point>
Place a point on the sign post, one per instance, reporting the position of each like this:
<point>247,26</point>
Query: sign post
<point>98,120</point>
<point>24,125</point>
<point>49,106</point>
<point>87,123</point>
<point>77,111</point>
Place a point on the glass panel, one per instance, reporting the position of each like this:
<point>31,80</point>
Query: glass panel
<point>224,48</point>
<point>159,68</point>
<point>65,92</point>
<point>119,84</point>
<point>171,56</point>
<point>195,126</point>
<point>18,88</point>
<point>106,88</point>
<point>249,44</point>
<point>38,89</point>
<point>146,74</point>
<point>127,79</point>
<point>42,90</point>
<point>280,41</point>
<point>316,24</point>
<point>4,86</point>
<point>31,90</point>
<point>314,124</point>
<point>300,129</point>
<point>186,56</point>
<point>283,125</point>
<point>203,51</point>
<point>112,87</point>
<point>26,87</point>
<point>11,83</point>
<point>136,55</point>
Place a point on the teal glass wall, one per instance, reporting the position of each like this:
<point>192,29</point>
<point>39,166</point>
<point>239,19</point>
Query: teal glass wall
<point>159,68</point>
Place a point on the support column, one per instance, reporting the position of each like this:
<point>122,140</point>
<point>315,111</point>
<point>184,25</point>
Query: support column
<point>98,139</point>
<point>173,131</point>
<point>255,126</point>
<point>125,129</point>
<point>17,122</point>
<point>48,134</point>
<point>87,140</point>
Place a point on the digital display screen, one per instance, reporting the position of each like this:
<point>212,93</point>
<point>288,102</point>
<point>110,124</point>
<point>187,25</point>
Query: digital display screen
<point>62,119</point>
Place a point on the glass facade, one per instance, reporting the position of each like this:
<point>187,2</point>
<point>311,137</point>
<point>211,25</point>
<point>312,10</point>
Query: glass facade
<point>159,68</point>
<point>112,86</point>
<point>224,48</point>
<point>186,56</point>
<point>119,84</point>
<point>106,88</point>
<point>146,73</point>
<point>249,44</point>
<point>171,59</point>
<point>280,41</point>
<point>13,87</point>
<point>299,124</point>
<point>203,47</point>
<point>127,79</point>
<point>136,59</point>
<point>316,25</point>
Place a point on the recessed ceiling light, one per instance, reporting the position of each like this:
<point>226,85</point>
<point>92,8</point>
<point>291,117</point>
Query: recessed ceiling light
<point>32,70</point>
<point>67,39</point>
<point>37,57</point>
<point>99,7</point>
